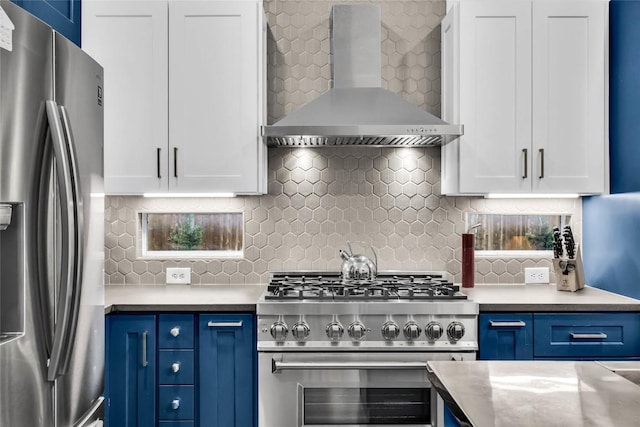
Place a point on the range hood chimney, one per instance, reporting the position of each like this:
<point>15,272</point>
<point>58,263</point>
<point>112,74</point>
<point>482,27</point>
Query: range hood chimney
<point>357,111</point>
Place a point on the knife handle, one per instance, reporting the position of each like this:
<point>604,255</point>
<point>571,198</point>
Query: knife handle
<point>526,162</point>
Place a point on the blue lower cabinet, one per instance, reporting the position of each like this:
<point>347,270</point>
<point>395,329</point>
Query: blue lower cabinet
<point>64,16</point>
<point>587,335</point>
<point>181,370</point>
<point>449,419</point>
<point>505,336</point>
<point>227,370</point>
<point>559,336</point>
<point>130,370</point>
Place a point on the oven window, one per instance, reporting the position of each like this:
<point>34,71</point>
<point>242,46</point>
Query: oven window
<point>366,406</point>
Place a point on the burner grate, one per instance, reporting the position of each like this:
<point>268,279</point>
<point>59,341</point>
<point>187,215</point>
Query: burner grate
<point>385,287</point>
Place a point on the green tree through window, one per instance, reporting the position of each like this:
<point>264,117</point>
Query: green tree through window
<point>185,235</point>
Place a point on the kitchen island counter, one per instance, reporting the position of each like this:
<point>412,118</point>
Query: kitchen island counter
<point>545,298</point>
<point>182,298</point>
<point>535,393</point>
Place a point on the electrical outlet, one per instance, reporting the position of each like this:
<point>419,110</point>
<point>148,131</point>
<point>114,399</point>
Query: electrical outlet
<point>178,276</point>
<point>536,275</point>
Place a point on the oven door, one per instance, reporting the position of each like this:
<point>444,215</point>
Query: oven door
<point>348,389</point>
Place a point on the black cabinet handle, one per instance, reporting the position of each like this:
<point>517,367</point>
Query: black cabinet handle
<point>158,151</point>
<point>175,162</point>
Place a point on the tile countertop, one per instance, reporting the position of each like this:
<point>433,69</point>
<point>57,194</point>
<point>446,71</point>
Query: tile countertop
<point>535,393</point>
<point>209,298</point>
<point>541,298</point>
<point>243,297</point>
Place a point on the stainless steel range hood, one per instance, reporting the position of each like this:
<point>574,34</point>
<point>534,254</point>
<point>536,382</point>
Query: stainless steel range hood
<point>357,111</point>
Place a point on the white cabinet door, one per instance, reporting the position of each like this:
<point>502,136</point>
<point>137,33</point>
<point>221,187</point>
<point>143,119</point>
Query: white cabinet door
<point>216,96</point>
<point>569,101</point>
<point>528,82</point>
<point>128,38</point>
<point>495,102</point>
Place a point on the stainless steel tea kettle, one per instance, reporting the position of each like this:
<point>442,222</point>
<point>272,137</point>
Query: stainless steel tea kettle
<point>357,266</point>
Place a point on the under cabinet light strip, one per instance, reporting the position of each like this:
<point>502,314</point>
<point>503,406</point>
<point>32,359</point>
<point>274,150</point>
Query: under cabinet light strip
<point>532,196</point>
<point>192,195</point>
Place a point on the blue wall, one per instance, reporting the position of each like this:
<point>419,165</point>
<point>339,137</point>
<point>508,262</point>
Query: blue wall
<point>624,95</point>
<point>611,242</point>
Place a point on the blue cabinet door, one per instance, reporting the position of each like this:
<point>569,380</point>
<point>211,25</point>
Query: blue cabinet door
<point>505,336</point>
<point>62,15</point>
<point>227,363</point>
<point>130,373</point>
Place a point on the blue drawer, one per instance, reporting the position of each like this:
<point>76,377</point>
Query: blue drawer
<point>175,331</point>
<point>183,395</point>
<point>175,366</point>
<point>587,335</point>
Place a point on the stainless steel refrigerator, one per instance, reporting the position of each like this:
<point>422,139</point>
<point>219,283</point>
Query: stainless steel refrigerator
<point>51,228</point>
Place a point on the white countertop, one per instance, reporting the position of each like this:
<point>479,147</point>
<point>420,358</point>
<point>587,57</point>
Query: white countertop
<point>208,298</point>
<point>243,297</point>
<point>520,297</point>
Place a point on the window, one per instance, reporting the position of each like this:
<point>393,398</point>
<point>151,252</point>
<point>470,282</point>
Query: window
<point>515,235</point>
<point>192,235</point>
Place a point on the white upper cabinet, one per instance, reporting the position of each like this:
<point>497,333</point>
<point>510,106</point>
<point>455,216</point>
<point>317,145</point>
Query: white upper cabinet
<point>184,94</point>
<point>527,80</point>
<point>123,37</point>
<point>569,100</point>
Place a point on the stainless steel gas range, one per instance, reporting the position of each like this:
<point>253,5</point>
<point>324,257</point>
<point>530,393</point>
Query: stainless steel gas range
<point>353,353</point>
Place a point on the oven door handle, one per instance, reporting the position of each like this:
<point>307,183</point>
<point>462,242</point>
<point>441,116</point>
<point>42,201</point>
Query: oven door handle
<point>277,366</point>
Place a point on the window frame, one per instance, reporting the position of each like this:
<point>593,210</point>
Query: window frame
<point>144,253</point>
<point>517,254</point>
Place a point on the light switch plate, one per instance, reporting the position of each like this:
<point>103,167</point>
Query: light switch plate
<point>178,276</point>
<point>536,275</point>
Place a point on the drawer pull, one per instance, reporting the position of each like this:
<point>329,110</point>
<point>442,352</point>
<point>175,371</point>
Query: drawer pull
<point>145,360</point>
<point>175,331</point>
<point>600,336</point>
<point>497,324</point>
<point>225,324</point>
<point>175,367</point>
<point>175,404</point>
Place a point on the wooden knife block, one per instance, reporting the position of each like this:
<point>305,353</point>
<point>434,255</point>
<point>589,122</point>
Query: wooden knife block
<point>569,272</point>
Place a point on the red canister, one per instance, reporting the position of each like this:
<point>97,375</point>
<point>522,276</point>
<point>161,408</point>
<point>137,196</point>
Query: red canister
<point>468,260</point>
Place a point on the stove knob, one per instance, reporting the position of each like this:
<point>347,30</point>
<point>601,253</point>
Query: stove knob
<point>301,331</point>
<point>433,331</point>
<point>335,330</point>
<point>279,331</point>
<point>412,331</point>
<point>390,331</point>
<point>357,331</point>
<point>455,331</point>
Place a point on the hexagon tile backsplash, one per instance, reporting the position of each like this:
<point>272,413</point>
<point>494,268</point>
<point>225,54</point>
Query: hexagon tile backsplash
<point>318,200</point>
<point>321,198</point>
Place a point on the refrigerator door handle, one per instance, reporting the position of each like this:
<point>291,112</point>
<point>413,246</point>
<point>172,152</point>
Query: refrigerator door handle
<point>71,224</point>
<point>78,233</point>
